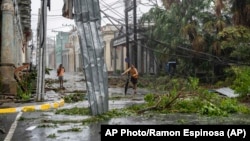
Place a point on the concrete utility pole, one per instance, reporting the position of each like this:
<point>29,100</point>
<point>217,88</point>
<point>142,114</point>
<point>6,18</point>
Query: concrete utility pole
<point>138,50</point>
<point>42,51</point>
<point>127,9</point>
<point>127,34</point>
<point>135,34</point>
<point>9,85</point>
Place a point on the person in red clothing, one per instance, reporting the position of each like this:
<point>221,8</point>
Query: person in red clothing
<point>133,76</point>
<point>60,74</point>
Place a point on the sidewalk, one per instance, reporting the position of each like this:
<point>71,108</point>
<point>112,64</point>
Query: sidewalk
<point>54,100</point>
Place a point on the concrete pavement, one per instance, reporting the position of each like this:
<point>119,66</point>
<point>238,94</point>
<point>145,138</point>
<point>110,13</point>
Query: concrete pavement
<point>52,100</point>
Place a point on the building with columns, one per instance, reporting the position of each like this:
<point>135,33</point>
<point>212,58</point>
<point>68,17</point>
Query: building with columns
<point>15,22</point>
<point>72,54</point>
<point>140,55</point>
<point>51,53</point>
<point>75,59</point>
<point>108,33</point>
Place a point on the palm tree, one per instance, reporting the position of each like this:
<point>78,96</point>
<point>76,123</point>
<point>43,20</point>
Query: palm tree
<point>241,12</point>
<point>192,24</point>
<point>167,3</point>
<point>235,39</point>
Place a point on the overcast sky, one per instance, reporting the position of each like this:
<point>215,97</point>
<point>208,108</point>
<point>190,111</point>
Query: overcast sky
<point>56,22</point>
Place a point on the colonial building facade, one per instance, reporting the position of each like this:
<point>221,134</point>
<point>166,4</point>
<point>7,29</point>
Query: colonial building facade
<point>15,22</point>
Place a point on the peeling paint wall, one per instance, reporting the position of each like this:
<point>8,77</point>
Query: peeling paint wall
<point>25,15</point>
<point>16,33</point>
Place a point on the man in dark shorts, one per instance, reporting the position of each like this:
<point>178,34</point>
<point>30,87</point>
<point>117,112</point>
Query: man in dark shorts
<point>134,76</point>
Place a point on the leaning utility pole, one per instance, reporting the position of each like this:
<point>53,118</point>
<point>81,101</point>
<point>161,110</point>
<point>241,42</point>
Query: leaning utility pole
<point>88,21</point>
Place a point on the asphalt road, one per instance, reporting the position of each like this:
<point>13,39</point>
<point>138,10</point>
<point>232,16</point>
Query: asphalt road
<point>6,121</point>
<point>37,125</point>
<point>30,126</point>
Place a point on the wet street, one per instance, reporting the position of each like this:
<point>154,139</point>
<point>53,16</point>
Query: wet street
<point>33,127</point>
<point>48,126</point>
<point>30,126</point>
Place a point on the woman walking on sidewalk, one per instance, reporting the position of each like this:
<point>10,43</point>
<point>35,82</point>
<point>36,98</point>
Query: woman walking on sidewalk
<point>60,74</point>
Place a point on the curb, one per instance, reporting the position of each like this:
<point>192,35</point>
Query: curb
<point>43,107</point>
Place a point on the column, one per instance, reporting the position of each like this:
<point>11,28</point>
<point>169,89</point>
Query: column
<point>8,83</point>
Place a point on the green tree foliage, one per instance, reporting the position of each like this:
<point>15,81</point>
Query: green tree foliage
<point>179,25</point>
<point>235,39</point>
<point>242,82</point>
<point>199,34</point>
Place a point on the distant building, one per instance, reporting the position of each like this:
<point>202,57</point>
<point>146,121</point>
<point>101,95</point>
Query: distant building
<point>142,56</point>
<point>108,33</point>
<point>51,54</point>
<point>61,51</point>
<point>75,59</point>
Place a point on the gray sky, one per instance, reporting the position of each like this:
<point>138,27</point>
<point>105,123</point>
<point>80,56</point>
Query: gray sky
<point>55,21</point>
